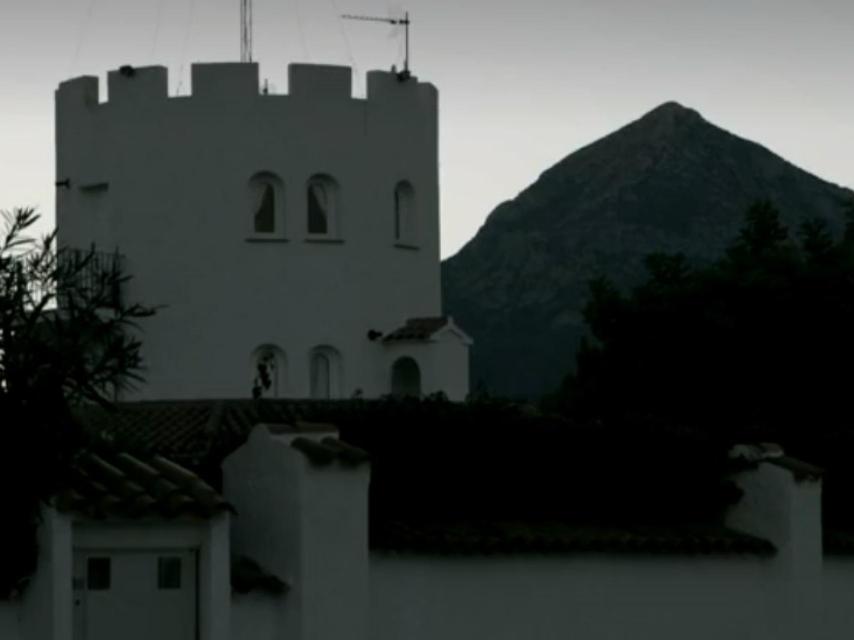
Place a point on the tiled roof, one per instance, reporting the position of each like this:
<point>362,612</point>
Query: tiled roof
<point>404,439</point>
<point>120,485</point>
<point>190,432</point>
<point>196,433</point>
<point>179,427</point>
<point>247,576</point>
<point>802,471</point>
<point>417,329</point>
<point>515,537</point>
<point>329,450</point>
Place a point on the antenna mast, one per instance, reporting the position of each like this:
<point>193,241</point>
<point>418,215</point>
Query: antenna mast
<point>246,30</point>
<point>403,75</point>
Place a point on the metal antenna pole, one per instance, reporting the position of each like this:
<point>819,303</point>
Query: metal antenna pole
<point>406,42</point>
<point>246,30</point>
<point>403,75</point>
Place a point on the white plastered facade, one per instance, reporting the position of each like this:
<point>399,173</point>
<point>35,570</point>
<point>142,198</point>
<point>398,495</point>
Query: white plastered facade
<point>174,183</point>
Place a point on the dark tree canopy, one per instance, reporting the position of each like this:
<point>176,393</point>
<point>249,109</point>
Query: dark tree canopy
<point>65,338</point>
<point>755,346</point>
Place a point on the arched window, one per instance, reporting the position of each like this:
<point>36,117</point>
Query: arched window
<point>404,213</point>
<point>268,372</point>
<point>266,204</point>
<point>405,378</point>
<point>325,373</point>
<point>322,198</point>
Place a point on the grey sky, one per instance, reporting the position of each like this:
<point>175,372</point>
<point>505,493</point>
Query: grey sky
<point>521,84</point>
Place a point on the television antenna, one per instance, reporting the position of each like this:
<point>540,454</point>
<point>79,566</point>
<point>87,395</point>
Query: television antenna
<point>246,30</point>
<point>405,74</point>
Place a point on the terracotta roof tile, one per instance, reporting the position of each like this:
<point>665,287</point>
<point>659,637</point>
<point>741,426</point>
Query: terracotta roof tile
<point>802,471</point>
<point>417,329</point>
<point>182,428</point>
<point>248,576</point>
<point>194,433</point>
<point>329,450</point>
<point>523,537</point>
<point>120,485</point>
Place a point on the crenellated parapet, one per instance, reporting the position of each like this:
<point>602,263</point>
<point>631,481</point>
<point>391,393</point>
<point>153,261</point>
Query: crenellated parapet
<point>239,81</point>
<point>278,228</point>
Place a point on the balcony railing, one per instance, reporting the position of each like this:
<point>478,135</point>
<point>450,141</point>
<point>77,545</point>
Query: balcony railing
<point>91,275</point>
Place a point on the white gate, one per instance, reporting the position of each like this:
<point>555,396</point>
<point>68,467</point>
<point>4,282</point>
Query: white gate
<point>135,594</point>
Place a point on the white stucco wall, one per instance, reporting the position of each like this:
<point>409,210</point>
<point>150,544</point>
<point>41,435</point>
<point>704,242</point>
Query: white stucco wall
<point>308,525</point>
<point>451,362</point>
<point>265,491</point>
<point>443,362</point>
<point>588,597</point>
<point>50,588</point>
<point>794,594</point>
<point>178,205</point>
<point>9,621</point>
<point>254,616</point>
<point>784,507</point>
<point>838,597</point>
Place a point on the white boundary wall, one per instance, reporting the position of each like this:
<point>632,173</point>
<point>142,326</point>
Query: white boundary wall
<point>10,627</point>
<point>838,596</point>
<point>585,597</point>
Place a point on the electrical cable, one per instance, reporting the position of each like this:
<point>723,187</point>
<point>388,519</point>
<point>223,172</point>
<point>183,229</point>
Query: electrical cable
<point>157,18</point>
<point>81,32</point>
<point>347,46</point>
<point>305,50</point>
<point>187,32</point>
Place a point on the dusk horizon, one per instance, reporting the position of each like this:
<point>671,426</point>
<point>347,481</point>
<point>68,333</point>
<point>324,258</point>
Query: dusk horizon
<point>462,321</point>
<point>519,88</point>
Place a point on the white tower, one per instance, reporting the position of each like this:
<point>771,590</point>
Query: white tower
<point>298,230</point>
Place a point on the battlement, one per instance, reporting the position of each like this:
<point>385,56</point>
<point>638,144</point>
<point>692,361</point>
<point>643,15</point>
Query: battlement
<point>320,81</point>
<point>232,81</point>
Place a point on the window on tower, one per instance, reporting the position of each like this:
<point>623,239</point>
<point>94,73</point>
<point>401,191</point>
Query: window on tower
<point>265,215</point>
<point>267,210</point>
<point>404,214</point>
<point>325,373</point>
<point>268,372</point>
<point>321,195</point>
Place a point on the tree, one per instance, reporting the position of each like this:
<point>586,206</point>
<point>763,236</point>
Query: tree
<point>65,339</point>
<point>755,346</point>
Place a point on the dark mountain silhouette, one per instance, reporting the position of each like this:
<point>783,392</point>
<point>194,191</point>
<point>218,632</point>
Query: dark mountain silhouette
<point>670,181</point>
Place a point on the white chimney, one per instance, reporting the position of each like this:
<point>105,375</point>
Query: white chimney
<point>782,504</point>
<point>302,513</point>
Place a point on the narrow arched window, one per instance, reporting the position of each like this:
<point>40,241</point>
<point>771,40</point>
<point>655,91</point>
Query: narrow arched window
<point>320,383</point>
<point>405,378</point>
<point>325,373</point>
<point>266,205</point>
<point>404,213</point>
<point>268,372</point>
<point>322,195</point>
<point>265,214</point>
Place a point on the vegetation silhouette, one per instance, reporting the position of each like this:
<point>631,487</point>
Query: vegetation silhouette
<point>65,339</point>
<point>755,346</point>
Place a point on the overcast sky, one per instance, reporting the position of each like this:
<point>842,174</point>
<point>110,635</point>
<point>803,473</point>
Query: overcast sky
<point>521,84</point>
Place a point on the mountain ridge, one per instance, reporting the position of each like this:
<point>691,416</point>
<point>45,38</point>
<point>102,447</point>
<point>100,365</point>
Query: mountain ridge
<point>667,181</point>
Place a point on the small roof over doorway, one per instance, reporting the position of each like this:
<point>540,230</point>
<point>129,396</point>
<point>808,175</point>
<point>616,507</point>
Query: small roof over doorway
<point>426,329</point>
